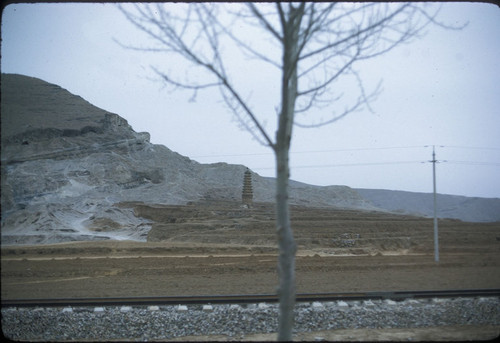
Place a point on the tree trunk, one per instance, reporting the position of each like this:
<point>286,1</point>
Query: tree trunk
<point>287,248</point>
<point>286,260</point>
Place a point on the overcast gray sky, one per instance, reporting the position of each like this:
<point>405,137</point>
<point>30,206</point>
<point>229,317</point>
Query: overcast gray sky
<point>440,90</point>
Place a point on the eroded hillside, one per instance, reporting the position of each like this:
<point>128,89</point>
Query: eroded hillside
<point>66,164</point>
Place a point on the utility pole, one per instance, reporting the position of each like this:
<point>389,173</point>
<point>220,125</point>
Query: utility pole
<point>436,238</point>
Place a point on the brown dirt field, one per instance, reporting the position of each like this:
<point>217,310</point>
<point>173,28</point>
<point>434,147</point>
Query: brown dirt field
<point>195,250</point>
<point>222,248</point>
<point>38,274</point>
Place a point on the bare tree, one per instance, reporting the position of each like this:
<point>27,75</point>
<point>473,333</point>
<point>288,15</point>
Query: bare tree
<point>313,47</point>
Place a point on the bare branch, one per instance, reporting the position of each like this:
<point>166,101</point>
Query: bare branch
<point>281,14</point>
<point>354,35</point>
<point>245,46</point>
<point>244,121</point>
<point>348,110</point>
<point>359,32</point>
<point>186,85</point>
<point>245,107</point>
<point>265,23</point>
<point>432,19</point>
<point>332,78</point>
<point>175,42</point>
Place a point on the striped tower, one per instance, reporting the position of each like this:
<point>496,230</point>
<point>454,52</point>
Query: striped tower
<point>247,194</point>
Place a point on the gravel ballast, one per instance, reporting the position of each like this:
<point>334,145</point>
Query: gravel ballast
<point>144,323</point>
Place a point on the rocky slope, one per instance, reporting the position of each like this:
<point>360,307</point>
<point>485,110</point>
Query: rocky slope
<point>67,165</point>
<point>69,169</point>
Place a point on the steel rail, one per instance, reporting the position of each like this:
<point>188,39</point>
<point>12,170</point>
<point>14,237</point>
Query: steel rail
<point>246,298</point>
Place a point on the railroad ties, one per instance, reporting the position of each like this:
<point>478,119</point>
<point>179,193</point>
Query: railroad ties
<point>248,298</point>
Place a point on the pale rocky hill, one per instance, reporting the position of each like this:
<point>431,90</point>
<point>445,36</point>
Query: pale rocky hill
<point>70,171</point>
<point>67,165</point>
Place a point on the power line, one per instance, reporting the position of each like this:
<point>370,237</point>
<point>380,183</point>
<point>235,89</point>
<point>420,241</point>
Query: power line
<point>358,164</point>
<point>313,151</point>
<point>349,149</point>
<point>356,149</point>
<point>470,147</point>
<point>475,163</point>
<point>347,165</point>
<point>382,163</point>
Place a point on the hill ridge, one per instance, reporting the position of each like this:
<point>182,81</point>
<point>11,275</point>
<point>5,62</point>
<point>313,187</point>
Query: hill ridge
<point>67,164</point>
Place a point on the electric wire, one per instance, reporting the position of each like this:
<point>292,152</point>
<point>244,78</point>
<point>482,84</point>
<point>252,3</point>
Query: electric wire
<point>359,164</point>
<point>472,163</point>
<point>347,165</point>
<point>475,163</point>
<point>313,151</point>
<point>350,149</point>
<point>470,147</point>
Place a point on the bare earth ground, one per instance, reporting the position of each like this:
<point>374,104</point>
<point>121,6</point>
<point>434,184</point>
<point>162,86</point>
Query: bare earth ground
<point>145,271</point>
<point>332,257</point>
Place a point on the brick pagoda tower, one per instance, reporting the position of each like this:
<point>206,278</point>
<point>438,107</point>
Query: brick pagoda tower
<point>247,194</point>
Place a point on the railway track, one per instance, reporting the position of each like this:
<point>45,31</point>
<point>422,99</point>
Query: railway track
<point>246,298</point>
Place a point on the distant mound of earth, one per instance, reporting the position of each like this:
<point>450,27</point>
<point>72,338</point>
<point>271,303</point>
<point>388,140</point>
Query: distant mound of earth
<point>467,209</point>
<point>69,169</point>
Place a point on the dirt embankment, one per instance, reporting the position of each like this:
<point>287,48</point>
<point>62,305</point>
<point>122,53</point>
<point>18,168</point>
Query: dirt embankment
<point>201,249</point>
<point>324,230</point>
